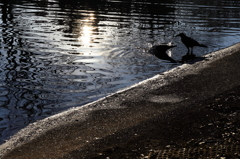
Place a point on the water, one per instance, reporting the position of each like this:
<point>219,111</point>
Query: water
<point>56,54</point>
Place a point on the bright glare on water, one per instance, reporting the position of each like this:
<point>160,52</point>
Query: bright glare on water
<point>56,54</point>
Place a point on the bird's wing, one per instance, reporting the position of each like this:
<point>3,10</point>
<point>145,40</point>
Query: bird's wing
<point>190,42</point>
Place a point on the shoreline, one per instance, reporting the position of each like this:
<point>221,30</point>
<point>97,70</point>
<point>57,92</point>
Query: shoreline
<point>127,122</point>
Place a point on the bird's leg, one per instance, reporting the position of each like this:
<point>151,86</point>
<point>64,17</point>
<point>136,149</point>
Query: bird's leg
<point>188,53</point>
<point>192,55</point>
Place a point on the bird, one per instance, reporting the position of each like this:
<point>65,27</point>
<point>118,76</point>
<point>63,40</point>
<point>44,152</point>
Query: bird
<point>160,52</point>
<point>189,43</point>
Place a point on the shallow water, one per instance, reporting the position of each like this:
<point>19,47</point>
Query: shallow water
<point>56,54</point>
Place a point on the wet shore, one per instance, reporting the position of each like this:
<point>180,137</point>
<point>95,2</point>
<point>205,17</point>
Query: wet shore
<point>195,105</point>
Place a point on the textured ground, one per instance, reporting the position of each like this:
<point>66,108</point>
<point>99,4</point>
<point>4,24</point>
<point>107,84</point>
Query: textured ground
<point>222,134</point>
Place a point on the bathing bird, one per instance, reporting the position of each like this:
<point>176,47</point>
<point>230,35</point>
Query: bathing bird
<point>160,52</point>
<point>189,43</point>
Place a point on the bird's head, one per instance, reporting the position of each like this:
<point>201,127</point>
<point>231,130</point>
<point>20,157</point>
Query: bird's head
<point>181,35</point>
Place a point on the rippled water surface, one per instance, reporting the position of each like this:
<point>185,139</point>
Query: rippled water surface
<point>56,54</point>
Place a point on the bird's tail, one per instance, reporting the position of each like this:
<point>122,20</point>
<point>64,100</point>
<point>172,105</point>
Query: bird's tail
<point>201,45</point>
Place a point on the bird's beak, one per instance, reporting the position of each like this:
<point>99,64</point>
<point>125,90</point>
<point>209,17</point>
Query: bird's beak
<point>177,35</point>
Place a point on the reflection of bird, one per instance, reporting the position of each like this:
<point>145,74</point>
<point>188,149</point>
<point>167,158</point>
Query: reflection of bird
<point>189,42</point>
<point>160,52</point>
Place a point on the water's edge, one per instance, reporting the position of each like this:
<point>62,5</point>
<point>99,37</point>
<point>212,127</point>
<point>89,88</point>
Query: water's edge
<point>81,114</point>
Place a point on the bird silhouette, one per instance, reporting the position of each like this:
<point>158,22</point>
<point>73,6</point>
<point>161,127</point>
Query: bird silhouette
<point>189,43</point>
<point>160,52</point>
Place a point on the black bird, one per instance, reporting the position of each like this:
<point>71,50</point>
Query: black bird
<point>189,43</point>
<point>160,52</point>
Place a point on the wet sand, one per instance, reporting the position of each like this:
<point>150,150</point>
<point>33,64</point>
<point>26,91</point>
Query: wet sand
<point>193,105</point>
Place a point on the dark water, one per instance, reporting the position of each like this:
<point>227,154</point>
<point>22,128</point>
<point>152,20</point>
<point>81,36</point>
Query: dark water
<point>56,54</point>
